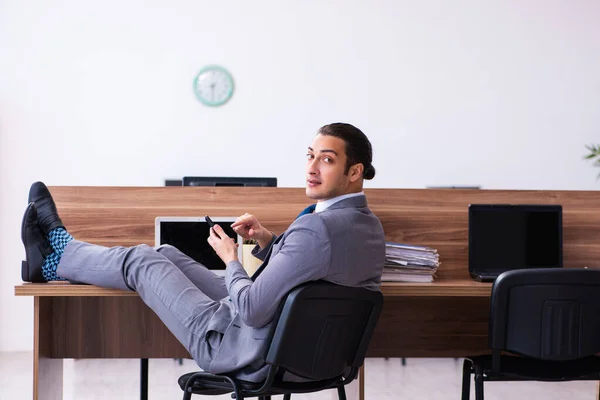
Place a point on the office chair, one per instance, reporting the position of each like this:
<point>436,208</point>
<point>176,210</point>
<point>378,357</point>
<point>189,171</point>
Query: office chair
<point>549,320</point>
<point>322,334</point>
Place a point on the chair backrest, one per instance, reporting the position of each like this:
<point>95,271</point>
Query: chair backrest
<point>324,329</point>
<point>546,313</point>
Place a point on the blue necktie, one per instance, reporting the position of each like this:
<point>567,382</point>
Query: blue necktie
<point>308,210</point>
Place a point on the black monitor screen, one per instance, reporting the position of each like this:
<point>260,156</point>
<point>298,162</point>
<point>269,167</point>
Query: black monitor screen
<point>228,181</point>
<point>190,238</point>
<point>505,237</point>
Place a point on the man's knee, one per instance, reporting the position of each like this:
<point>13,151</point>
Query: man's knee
<point>166,250</point>
<point>141,261</point>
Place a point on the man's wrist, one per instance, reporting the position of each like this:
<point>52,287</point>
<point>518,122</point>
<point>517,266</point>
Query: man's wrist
<point>234,258</point>
<point>265,239</point>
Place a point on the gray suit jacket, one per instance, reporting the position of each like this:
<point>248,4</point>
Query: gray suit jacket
<point>344,244</point>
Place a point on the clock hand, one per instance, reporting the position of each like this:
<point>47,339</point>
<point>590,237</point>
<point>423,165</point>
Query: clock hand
<point>212,91</point>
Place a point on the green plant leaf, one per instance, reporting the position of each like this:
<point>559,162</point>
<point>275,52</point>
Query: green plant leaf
<point>594,151</point>
<point>593,148</point>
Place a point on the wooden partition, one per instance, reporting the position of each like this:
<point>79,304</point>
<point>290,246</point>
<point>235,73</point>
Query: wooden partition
<point>432,217</point>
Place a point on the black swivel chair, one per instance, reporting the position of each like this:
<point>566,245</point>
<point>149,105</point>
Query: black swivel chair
<point>322,334</point>
<point>550,319</point>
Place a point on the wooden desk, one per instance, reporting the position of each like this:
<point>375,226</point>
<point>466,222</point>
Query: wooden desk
<point>457,288</point>
<point>82,321</point>
<point>448,318</point>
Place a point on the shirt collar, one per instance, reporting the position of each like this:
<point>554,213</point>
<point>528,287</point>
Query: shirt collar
<point>323,205</point>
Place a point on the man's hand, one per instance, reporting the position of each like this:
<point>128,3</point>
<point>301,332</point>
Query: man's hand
<point>248,227</point>
<point>224,246</point>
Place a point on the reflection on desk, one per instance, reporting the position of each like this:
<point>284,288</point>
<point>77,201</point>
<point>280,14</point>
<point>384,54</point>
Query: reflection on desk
<point>448,288</point>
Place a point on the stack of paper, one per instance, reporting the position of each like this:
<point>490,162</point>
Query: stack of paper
<point>408,263</point>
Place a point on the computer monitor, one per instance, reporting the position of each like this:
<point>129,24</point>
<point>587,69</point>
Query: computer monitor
<point>503,237</point>
<point>173,182</point>
<point>228,181</point>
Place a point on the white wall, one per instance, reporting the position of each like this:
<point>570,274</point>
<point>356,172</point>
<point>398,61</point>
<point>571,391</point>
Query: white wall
<point>501,94</point>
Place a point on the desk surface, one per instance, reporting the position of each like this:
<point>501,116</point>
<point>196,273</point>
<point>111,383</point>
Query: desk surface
<point>443,288</point>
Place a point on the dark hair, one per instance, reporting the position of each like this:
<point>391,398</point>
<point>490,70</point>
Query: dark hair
<point>358,147</point>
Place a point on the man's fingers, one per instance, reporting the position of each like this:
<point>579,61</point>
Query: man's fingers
<point>214,235</point>
<point>238,222</point>
<point>242,220</point>
<point>219,230</point>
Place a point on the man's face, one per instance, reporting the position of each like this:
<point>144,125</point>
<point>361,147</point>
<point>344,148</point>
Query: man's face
<point>326,163</point>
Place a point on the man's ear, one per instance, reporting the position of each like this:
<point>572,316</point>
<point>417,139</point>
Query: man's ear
<point>356,172</point>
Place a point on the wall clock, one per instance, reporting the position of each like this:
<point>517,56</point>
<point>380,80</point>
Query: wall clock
<point>213,86</point>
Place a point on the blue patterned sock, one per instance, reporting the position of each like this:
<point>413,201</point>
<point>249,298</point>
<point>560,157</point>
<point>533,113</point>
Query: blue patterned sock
<point>58,239</point>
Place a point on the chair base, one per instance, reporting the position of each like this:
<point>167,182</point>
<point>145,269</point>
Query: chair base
<point>206,384</point>
<point>514,368</point>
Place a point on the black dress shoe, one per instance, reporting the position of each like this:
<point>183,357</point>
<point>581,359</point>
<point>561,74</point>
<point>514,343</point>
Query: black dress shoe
<point>46,209</point>
<point>36,245</point>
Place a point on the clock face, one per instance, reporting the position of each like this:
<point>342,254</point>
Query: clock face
<point>213,86</point>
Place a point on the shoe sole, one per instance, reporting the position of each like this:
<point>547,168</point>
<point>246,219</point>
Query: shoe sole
<point>25,271</point>
<point>24,265</point>
<point>31,204</point>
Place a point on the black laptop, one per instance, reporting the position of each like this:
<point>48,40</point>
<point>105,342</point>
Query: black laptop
<point>503,237</point>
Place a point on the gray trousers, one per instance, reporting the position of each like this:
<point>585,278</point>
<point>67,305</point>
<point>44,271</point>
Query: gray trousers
<point>183,293</point>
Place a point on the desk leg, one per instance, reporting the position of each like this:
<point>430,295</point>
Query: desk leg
<point>47,372</point>
<point>355,390</point>
<point>144,379</point>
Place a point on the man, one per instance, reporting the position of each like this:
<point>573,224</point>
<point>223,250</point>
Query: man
<point>223,323</point>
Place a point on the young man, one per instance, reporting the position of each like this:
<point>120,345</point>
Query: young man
<point>223,323</point>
